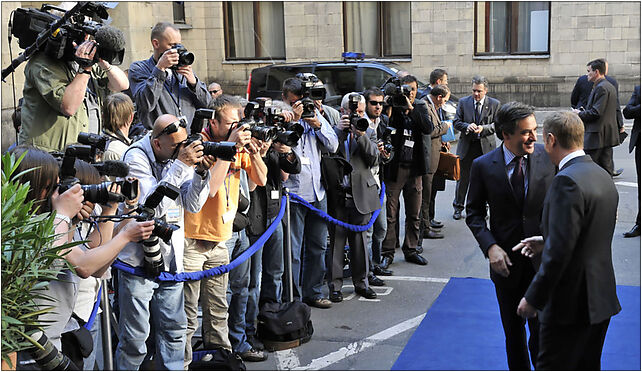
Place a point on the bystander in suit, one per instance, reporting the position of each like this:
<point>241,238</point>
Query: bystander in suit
<point>632,111</point>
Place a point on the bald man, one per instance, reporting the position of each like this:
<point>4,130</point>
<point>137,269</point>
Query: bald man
<point>161,156</point>
<point>215,90</point>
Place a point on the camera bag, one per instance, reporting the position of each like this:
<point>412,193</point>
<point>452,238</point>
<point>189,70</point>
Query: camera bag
<point>284,325</point>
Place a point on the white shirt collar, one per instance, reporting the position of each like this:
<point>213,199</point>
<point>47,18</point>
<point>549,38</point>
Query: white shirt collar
<point>569,157</point>
<point>481,101</point>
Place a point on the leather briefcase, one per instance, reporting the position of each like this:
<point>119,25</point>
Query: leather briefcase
<point>448,167</point>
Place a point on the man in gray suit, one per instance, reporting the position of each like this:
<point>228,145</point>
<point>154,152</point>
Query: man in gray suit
<point>574,288</point>
<point>599,117</point>
<point>475,119</point>
<point>360,197</point>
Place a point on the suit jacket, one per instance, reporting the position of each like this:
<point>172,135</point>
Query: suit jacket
<point>466,115</point>
<point>632,111</point>
<point>599,117</point>
<point>582,91</point>
<point>332,115</point>
<point>575,283</point>
<point>421,129</point>
<point>363,156</point>
<point>439,128</point>
<point>489,183</point>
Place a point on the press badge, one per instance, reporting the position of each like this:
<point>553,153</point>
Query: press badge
<point>274,194</point>
<point>409,143</point>
<point>305,160</point>
<point>228,216</point>
<point>173,214</point>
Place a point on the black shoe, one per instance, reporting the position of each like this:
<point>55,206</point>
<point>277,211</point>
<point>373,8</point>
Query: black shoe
<point>416,258</point>
<point>385,262</point>
<point>436,224</point>
<point>336,296</point>
<point>430,234</point>
<point>253,355</point>
<point>255,343</point>
<point>457,215</point>
<point>617,172</point>
<point>378,270</point>
<point>366,292</point>
<point>419,250</point>
<point>321,303</point>
<point>374,281</point>
<point>635,231</point>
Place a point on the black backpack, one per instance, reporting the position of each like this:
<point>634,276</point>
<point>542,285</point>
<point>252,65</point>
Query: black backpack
<point>284,325</point>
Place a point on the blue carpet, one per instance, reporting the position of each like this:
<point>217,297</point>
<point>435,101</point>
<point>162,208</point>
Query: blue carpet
<point>463,331</point>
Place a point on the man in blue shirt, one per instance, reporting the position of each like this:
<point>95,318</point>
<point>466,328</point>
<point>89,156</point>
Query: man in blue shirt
<point>318,136</point>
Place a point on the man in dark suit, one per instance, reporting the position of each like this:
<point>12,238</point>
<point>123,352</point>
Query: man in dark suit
<point>599,117</point>
<point>632,111</point>
<point>360,198</point>
<point>475,120</point>
<point>574,288</point>
<point>513,180</point>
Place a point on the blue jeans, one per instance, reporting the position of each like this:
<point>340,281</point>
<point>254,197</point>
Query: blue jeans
<point>308,280</point>
<point>376,234</point>
<point>266,272</point>
<point>96,356</point>
<point>139,298</point>
<point>237,292</point>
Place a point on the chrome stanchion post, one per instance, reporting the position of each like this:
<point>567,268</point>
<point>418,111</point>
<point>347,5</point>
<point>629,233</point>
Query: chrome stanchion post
<point>287,257</point>
<point>105,319</point>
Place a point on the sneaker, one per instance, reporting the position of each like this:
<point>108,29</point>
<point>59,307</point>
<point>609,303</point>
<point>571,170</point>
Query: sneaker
<point>253,355</point>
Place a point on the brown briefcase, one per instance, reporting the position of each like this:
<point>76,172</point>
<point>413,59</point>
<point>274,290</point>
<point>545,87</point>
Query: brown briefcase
<point>448,167</point>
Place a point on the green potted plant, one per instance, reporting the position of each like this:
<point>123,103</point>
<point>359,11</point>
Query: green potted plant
<point>29,262</point>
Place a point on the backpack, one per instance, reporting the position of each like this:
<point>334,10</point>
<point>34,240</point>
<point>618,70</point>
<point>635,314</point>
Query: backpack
<point>284,325</point>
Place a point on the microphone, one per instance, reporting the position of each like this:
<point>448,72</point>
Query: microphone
<point>113,168</point>
<point>111,44</point>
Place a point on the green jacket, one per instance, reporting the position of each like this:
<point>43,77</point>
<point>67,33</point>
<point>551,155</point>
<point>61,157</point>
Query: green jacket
<point>43,124</point>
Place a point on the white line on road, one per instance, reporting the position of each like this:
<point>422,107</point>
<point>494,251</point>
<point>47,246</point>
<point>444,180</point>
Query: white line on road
<point>417,279</point>
<point>629,184</point>
<point>356,347</point>
<point>287,359</point>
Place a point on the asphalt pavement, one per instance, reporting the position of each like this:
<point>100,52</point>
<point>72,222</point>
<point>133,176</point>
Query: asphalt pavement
<point>360,334</point>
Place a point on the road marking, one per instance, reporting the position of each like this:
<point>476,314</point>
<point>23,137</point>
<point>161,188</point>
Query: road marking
<point>629,184</point>
<point>287,359</point>
<point>417,279</point>
<point>359,346</point>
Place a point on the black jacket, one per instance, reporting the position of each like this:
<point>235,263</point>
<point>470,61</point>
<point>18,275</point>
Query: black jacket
<point>632,111</point>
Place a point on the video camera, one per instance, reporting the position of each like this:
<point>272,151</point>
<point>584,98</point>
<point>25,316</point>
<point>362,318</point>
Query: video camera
<point>397,93</point>
<point>41,30</point>
<point>357,121</point>
<point>310,93</point>
<point>221,150</point>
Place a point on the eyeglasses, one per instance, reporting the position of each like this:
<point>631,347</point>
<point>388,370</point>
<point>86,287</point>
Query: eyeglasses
<point>214,91</point>
<point>376,103</point>
<point>173,127</point>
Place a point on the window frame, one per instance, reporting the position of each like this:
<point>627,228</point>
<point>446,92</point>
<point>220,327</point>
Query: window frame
<point>512,30</point>
<point>383,27</point>
<point>177,21</point>
<point>257,45</point>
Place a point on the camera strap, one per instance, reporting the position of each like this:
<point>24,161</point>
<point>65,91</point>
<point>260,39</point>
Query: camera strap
<point>151,162</point>
<point>177,100</point>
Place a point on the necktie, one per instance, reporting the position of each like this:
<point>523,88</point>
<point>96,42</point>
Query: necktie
<point>477,112</point>
<point>517,180</point>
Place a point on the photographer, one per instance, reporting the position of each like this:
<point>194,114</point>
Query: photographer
<point>358,197</point>
<point>318,136</point>
<point>69,209</point>
<point>411,160</point>
<point>118,114</point>
<point>63,98</point>
<point>160,156</point>
<point>165,83</point>
<point>208,232</point>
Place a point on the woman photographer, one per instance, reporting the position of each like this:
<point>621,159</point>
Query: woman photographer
<point>118,114</point>
<point>68,207</point>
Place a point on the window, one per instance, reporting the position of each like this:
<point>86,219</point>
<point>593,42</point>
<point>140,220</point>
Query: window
<point>373,77</point>
<point>378,29</point>
<point>512,27</point>
<point>254,30</point>
<point>179,12</point>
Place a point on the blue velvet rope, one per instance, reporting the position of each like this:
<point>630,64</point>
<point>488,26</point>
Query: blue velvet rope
<point>94,311</point>
<point>327,217</point>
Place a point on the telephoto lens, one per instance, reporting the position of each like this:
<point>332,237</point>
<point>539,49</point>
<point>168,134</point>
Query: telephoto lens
<point>263,133</point>
<point>164,230</point>
<point>184,57</point>
<point>100,194</point>
<point>221,150</point>
<point>153,263</point>
<point>49,358</point>
<point>361,124</point>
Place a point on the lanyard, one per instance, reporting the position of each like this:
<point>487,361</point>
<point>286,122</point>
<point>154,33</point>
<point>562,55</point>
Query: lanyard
<point>347,146</point>
<point>227,189</point>
<point>176,101</point>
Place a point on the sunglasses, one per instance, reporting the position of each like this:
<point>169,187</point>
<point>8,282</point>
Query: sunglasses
<point>376,103</point>
<point>214,91</point>
<point>173,127</point>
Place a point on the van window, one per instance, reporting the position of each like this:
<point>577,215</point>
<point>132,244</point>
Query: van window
<point>338,80</point>
<point>277,75</point>
<point>373,77</point>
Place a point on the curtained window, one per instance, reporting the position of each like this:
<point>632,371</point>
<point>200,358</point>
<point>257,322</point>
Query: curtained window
<point>378,29</point>
<point>254,30</point>
<point>179,12</point>
<point>512,27</point>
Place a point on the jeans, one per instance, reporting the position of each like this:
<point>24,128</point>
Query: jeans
<point>237,292</point>
<point>96,356</point>
<point>139,297</point>
<point>308,278</point>
<point>266,272</point>
<point>376,234</point>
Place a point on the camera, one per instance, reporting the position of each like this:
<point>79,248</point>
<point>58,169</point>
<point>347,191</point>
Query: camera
<point>48,357</point>
<point>287,133</point>
<point>153,263</point>
<point>220,150</point>
<point>357,121</point>
<point>254,118</point>
<point>185,58</point>
<point>386,138</point>
<point>41,30</point>
<point>310,93</point>
<point>397,93</point>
